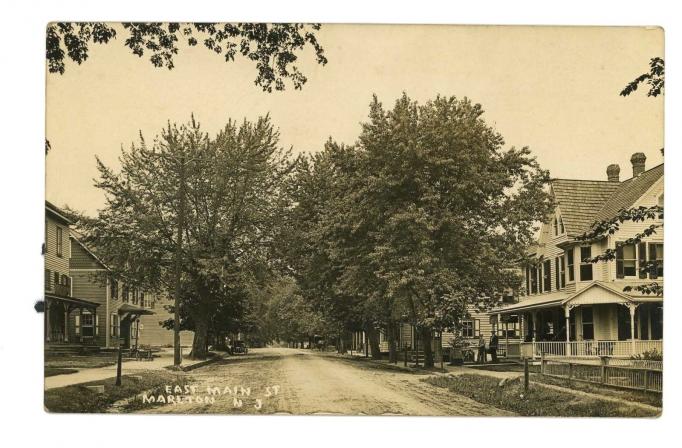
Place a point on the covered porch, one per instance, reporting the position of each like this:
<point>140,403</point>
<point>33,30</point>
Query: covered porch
<point>60,311</point>
<point>596,321</point>
<point>129,325</point>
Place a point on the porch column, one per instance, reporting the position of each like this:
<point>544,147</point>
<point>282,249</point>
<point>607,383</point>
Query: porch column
<point>48,327</point>
<point>567,314</point>
<point>632,308</point>
<point>535,330</point>
<point>67,309</point>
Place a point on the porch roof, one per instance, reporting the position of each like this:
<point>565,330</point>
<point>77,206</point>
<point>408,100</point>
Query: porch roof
<point>133,309</point>
<point>541,301</point>
<point>586,296</point>
<point>71,300</point>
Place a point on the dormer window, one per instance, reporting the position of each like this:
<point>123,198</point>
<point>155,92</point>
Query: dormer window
<point>555,226</point>
<point>562,230</point>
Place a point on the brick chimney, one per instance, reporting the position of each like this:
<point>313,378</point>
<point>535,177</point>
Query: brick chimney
<point>638,160</point>
<point>613,172</point>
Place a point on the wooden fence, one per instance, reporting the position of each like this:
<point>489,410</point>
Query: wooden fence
<point>629,377</point>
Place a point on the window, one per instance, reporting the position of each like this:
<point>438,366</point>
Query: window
<point>126,294</point>
<point>656,260</point>
<point>547,275</point>
<point>557,271</point>
<point>47,279</point>
<point>570,261</point>
<point>626,260</point>
<point>87,324</point>
<point>534,280</point>
<point>55,280</point>
<point>471,328</point>
<point>59,241</point>
<point>562,229</point>
<point>555,226</point>
<point>115,325</point>
<point>136,296</point>
<point>562,272</point>
<point>624,324</point>
<point>588,323</point>
<point>585,266</point>
<point>114,289</point>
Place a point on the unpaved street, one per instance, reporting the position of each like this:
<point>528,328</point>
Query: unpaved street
<point>289,381</point>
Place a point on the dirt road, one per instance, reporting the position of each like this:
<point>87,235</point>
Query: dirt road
<point>289,381</point>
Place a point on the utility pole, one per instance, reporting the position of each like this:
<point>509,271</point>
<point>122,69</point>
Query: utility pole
<point>177,355</point>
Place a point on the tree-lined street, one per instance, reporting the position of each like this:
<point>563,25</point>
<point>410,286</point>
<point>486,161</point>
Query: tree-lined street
<point>310,382</point>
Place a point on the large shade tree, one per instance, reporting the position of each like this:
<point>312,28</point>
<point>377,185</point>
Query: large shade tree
<point>427,213</point>
<point>230,187</point>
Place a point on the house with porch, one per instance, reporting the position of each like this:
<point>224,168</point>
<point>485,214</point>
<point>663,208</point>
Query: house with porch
<point>574,308</point>
<point>62,305</point>
<point>127,315</point>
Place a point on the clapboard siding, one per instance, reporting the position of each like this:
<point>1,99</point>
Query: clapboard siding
<point>152,333</point>
<point>53,262</point>
<point>81,259</point>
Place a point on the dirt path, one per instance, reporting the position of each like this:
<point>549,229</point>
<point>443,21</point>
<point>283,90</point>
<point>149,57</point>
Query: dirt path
<point>292,381</point>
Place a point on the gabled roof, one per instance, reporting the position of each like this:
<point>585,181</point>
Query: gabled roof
<point>580,201</point>
<point>56,213</point>
<point>629,192</point>
<point>87,250</point>
<point>583,202</point>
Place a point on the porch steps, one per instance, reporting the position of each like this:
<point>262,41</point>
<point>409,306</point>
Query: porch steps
<point>71,349</point>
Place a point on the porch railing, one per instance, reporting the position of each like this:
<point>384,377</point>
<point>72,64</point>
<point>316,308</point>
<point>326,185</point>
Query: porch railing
<point>623,349</point>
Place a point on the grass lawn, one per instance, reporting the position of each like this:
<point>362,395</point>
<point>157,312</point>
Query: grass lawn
<point>79,399</point>
<point>52,371</point>
<point>537,401</point>
<point>80,361</point>
<point>507,367</point>
<point>650,398</point>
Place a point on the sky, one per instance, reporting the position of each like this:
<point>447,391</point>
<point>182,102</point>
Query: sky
<point>553,89</point>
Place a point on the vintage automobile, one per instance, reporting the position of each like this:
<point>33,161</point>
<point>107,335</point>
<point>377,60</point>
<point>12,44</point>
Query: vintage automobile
<point>239,348</point>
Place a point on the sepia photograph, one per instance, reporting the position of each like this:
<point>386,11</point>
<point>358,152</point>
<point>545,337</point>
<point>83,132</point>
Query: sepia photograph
<point>353,219</point>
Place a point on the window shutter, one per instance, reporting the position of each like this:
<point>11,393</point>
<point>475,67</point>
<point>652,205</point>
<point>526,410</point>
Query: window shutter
<point>477,327</point>
<point>96,324</point>
<point>558,273</point>
<point>78,325</point>
<point>619,262</point>
<point>642,260</point>
<point>654,262</point>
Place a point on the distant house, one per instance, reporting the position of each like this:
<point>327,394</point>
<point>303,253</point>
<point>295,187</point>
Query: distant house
<point>62,306</point>
<point>575,308</point>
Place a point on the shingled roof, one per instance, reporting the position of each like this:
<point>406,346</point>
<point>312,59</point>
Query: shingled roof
<point>629,192</point>
<point>582,202</point>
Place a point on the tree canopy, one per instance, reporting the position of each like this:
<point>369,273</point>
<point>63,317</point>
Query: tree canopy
<point>424,214</point>
<point>654,78</point>
<point>273,48</point>
<point>233,190</point>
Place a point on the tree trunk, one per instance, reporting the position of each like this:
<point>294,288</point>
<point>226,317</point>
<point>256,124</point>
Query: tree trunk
<point>392,332</point>
<point>426,337</point>
<point>200,341</point>
<point>373,338</point>
<point>341,345</point>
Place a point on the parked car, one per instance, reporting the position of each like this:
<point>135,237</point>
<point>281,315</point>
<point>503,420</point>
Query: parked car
<point>239,348</point>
